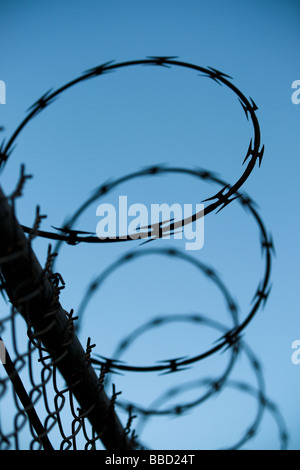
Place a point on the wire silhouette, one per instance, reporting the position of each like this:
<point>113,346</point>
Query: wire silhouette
<point>83,421</point>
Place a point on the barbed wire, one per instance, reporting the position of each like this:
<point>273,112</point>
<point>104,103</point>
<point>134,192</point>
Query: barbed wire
<point>34,293</point>
<point>55,407</point>
<point>212,385</point>
<point>222,198</point>
<point>259,297</point>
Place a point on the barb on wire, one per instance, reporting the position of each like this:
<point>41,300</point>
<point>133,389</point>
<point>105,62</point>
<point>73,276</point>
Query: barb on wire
<point>21,183</point>
<point>37,223</point>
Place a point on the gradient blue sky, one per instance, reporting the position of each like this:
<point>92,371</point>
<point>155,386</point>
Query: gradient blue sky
<point>122,122</point>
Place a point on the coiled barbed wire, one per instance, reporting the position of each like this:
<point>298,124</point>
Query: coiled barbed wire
<point>222,198</point>
<point>212,385</point>
<point>231,337</point>
<point>259,298</point>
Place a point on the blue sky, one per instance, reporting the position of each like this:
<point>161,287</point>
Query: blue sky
<point>121,122</point>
